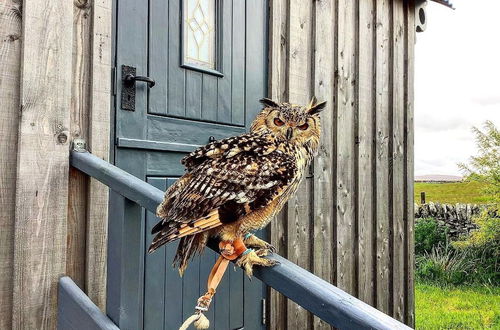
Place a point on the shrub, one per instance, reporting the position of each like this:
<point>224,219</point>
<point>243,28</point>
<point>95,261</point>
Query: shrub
<point>428,234</point>
<point>484,245</point>
<point>444,265</point>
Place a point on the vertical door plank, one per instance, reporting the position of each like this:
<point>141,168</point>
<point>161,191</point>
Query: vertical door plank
<point>155,265</point>
<point>409,163</point>
<point>209,98</point>
<point>238,63</point>
<point>99,139</point>
<point>346,107</point>
<point>43,163</point>
<point>222,301</point>
<point>366,229</point>
<point>383,136</point>
<point>323,203</point>
<point>10,65</point>
<point>193,94</point>
<point>224,109</point>
<point>173,287</point>
<point>176,74</point>
<point>398,115</point>
<point>299,207</point>
<point>159,55</point>
<point>207,261</point>
<point>190,288</point>
<point>78,182</point>
<point>236,298</point>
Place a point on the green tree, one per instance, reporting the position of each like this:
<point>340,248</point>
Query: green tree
<point>485,167</point>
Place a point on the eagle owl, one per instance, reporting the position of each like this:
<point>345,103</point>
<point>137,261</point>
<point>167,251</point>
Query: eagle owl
<point>236,185</point>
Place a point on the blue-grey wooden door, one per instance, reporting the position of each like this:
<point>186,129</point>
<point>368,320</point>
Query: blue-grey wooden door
<point>183,110</point>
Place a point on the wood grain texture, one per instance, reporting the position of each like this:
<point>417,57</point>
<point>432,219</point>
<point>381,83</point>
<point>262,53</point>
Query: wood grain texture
<point>79,121</point>
<point>10,51</point>
<point>42,172</point>
<point>409,162</point>
<point>345,157</point>
<point>99,137</point>
<point>398,179</point>
<point>299,208</point>
<point>323,203</point>
<point>277,75</point>
<point>361,61</point>
<point>382,124</point>
<point>366,95</point>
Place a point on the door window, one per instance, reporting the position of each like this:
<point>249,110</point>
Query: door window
<point>199,33</point>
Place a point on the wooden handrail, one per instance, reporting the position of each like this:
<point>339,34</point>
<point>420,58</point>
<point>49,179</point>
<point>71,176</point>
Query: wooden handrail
<point>331,304</point>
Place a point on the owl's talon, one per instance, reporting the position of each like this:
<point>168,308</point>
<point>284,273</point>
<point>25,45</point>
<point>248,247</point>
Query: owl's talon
<point>251,259</point>
<point>258,244</point>
<point>263,252</point>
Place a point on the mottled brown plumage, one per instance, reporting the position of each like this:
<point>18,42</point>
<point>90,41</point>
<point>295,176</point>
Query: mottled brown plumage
<point>236,185</point>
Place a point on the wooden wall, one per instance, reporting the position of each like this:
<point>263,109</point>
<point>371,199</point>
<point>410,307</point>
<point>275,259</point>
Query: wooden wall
<point>351,222</point>
<point>55,78</point>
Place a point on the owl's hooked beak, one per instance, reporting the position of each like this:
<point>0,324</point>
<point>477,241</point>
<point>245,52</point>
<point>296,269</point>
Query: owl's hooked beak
<point>289,133</point>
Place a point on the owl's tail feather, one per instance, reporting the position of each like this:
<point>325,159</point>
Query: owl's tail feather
<point>188,247</point>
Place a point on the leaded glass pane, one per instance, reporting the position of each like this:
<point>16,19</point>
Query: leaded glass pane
<point>199,33</point>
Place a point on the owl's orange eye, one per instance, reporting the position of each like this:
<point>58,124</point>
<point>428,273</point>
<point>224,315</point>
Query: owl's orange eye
<point>278,122</point>
<point>303,127</point>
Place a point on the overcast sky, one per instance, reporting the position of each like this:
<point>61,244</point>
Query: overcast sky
<point>457,82</point>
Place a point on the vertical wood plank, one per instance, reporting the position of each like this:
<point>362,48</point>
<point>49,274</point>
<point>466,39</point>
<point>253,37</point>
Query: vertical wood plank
<point>193,94</point>
<point>99,139</point>
<point>77,195</point>
<point>224,110</point>
<point>155,265</point>
<point>409,163</point>
<point>346,107</point>
<point>238,62</point>
<point>323,203</point>
<point>159,55</point>
<point>398,115</point>
<point>176,74</point>
<point>366,229</point>
<point>278,58</point>
<point>42,174</point>
<point>10,53</point>
<point>299,207</point>
<point>382,153</point>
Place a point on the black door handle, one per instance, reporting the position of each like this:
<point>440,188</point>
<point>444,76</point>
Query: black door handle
<point>131,79</point>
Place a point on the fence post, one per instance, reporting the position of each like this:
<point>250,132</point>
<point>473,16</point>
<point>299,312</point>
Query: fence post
<point>422,197</point>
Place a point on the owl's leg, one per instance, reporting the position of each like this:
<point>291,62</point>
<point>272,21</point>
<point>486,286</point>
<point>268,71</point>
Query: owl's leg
<point>248,260</point>
<point>262,247</point>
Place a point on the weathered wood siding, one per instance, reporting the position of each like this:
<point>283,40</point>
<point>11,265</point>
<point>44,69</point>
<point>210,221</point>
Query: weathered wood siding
<point>351,222</point>
<point>55,79</point>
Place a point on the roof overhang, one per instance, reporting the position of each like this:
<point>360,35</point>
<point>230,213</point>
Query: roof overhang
<point>446,3</point>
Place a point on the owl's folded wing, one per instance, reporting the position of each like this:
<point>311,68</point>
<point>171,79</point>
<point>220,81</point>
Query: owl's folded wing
<point>221,190</point>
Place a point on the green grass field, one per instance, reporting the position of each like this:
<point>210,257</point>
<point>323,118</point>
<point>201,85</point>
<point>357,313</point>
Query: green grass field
<point>457,308</point>
<point>451,193</point>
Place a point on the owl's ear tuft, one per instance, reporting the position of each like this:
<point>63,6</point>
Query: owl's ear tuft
<point>314,107</point>
<point>268,103</point>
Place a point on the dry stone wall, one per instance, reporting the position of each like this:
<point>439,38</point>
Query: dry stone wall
<point>457,218</point>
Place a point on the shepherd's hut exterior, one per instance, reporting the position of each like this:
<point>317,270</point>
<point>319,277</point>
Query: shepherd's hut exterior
<point>62,87</point>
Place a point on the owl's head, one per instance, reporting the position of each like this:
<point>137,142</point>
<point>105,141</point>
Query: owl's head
<point>296,124</point>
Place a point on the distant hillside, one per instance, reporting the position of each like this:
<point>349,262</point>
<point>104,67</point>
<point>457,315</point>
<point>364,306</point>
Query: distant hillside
<point>438,178</point>
<point>452,192</point>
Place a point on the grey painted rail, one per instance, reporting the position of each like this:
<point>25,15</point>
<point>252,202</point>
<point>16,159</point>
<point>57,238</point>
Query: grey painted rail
<point>77,311</point>
<point>326,301</point>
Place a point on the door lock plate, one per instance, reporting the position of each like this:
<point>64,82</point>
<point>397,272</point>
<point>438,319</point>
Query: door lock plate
<point>128,89</point>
